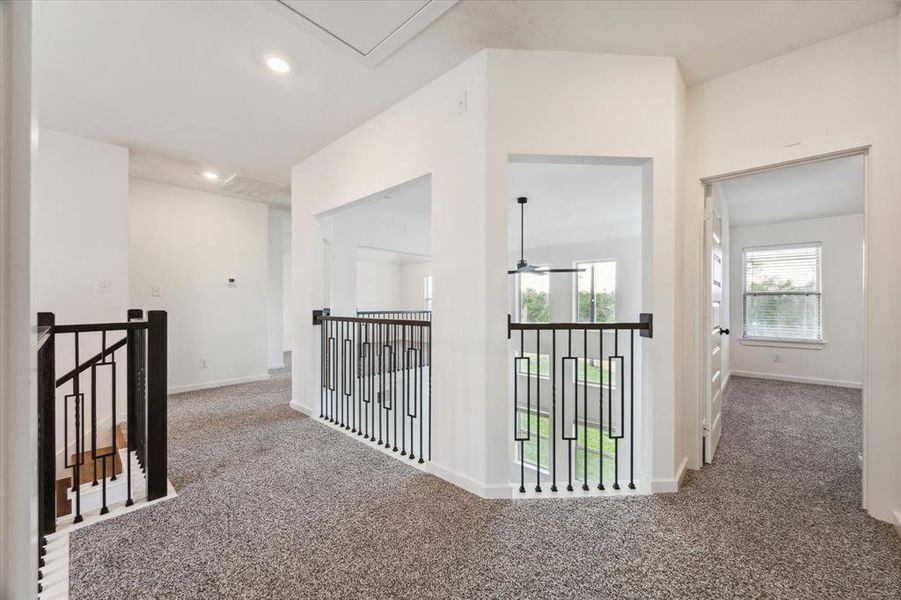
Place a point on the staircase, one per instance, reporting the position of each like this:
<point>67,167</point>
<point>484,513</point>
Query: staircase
<point>113,467</point>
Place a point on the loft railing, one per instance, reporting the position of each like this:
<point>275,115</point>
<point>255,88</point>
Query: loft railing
<point>376,380</point>
<point>416,315</point>
<point>574,390</point>
<point>87,396</point>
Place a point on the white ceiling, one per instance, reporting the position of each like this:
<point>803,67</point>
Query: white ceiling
<point>573,203</point>
<point>185,79</point>
<point>411,199</point>
<point>821,189</point>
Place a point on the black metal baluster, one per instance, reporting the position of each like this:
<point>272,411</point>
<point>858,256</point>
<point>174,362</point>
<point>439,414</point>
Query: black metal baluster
<point>522,440</point>
<point>584,410</point>
<point>601,370</point>
<point>574,436</point>
<point>405,388</point>
<point>394,383</point>
<point>79,436</point>
<point>631,409</point>
<point>323,360</point>
<point>611,380</point>
<point>538,410</point>
<point>104,508</point>
<point>419,361</point>
<point>430,387</point>
<point>555,419</point>
<point>93,421</point>
<point>381,374</point>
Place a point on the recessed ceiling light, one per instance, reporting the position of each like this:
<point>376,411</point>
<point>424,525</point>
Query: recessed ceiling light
<point>278,64</point>
<point>211,175</point>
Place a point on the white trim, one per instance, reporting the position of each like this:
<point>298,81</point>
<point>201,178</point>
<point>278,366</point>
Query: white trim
<point>794,379</point>
<point>483,490</point>
<point>280,365</point>
<point>897,513</point>
<point>858,150</point>
<point>666,486</point>
<point>178,389</point>
<point>300,408</point>
<point>783,343</point>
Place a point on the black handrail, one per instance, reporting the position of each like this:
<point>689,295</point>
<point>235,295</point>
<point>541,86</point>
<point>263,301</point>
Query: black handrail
<point>91,361</point>
<point>409,322</point>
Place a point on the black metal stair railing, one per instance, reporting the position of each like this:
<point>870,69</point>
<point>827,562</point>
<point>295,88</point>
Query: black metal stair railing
<point>375,380</point>
<point>556,368</point>
<point>144,344</point>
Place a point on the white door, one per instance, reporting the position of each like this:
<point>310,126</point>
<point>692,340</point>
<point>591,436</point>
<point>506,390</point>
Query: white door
<point>712,424</point>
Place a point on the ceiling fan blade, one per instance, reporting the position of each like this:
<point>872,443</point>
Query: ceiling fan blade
<point>561,271</point>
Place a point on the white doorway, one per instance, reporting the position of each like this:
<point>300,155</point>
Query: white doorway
<point>783,281</point>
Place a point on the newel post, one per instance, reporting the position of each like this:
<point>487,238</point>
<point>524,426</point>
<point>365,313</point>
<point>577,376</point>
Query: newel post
<point>157,392</point>
<point>46,424</point>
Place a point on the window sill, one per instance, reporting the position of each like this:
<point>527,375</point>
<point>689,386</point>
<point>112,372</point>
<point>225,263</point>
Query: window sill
<point>775,343</point>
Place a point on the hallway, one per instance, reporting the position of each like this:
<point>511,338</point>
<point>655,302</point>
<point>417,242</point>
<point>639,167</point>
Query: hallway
<point>273,505</point>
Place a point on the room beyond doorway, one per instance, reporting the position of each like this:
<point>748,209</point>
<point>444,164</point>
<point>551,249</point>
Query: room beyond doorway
<point>784,283</point>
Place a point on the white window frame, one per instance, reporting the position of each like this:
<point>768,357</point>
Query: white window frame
<point>427,291</point>
<point>765,340</point>
<point>576,286</point>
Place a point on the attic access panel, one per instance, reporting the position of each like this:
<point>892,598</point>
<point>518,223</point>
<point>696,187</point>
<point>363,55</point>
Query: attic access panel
<point>369,30</point>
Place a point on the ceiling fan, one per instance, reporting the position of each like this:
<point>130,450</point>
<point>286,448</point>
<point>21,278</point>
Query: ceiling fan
<point>522,266</point>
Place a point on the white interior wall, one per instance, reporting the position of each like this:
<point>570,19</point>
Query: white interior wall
<point>838,94</point>
<point>840,360</point>
<point>412,292</point>
<point>378,285</point>
<point>187,243</point>
<point>276,224</point>
<point>598,105</point>
<point>18,398</point>
<point>287,304</point>
<point>421,135</point>
<point>80,273</point>
<point>362,226</point>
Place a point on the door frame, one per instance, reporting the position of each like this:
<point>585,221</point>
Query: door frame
<point>704,259</point>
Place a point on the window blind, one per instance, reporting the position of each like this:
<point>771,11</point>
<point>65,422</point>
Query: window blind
<point>782,292</point>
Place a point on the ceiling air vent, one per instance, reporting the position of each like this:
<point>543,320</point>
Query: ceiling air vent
<point>256,189</point>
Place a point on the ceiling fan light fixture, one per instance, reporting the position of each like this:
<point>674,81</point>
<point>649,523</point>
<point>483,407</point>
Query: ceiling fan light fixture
<point>522,266</point>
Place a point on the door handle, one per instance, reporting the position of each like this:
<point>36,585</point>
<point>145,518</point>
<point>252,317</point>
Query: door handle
<point>724,331</point>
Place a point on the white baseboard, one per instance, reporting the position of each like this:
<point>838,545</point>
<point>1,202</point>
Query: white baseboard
<point>273,366</point>
<point>300,408</point>
<point>791,378</point>
<point>214,384</point>
<point>494,492</point>
<point>667,486</point>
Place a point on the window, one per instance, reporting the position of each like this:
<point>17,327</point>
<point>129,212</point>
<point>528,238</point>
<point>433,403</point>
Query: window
<point>598,444</point>
<point>595,291</point>
<point>427,291</point>
<point>782,297</point>
<point>540,367</point>
<point>534,299</point>
<point>541,426</point>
